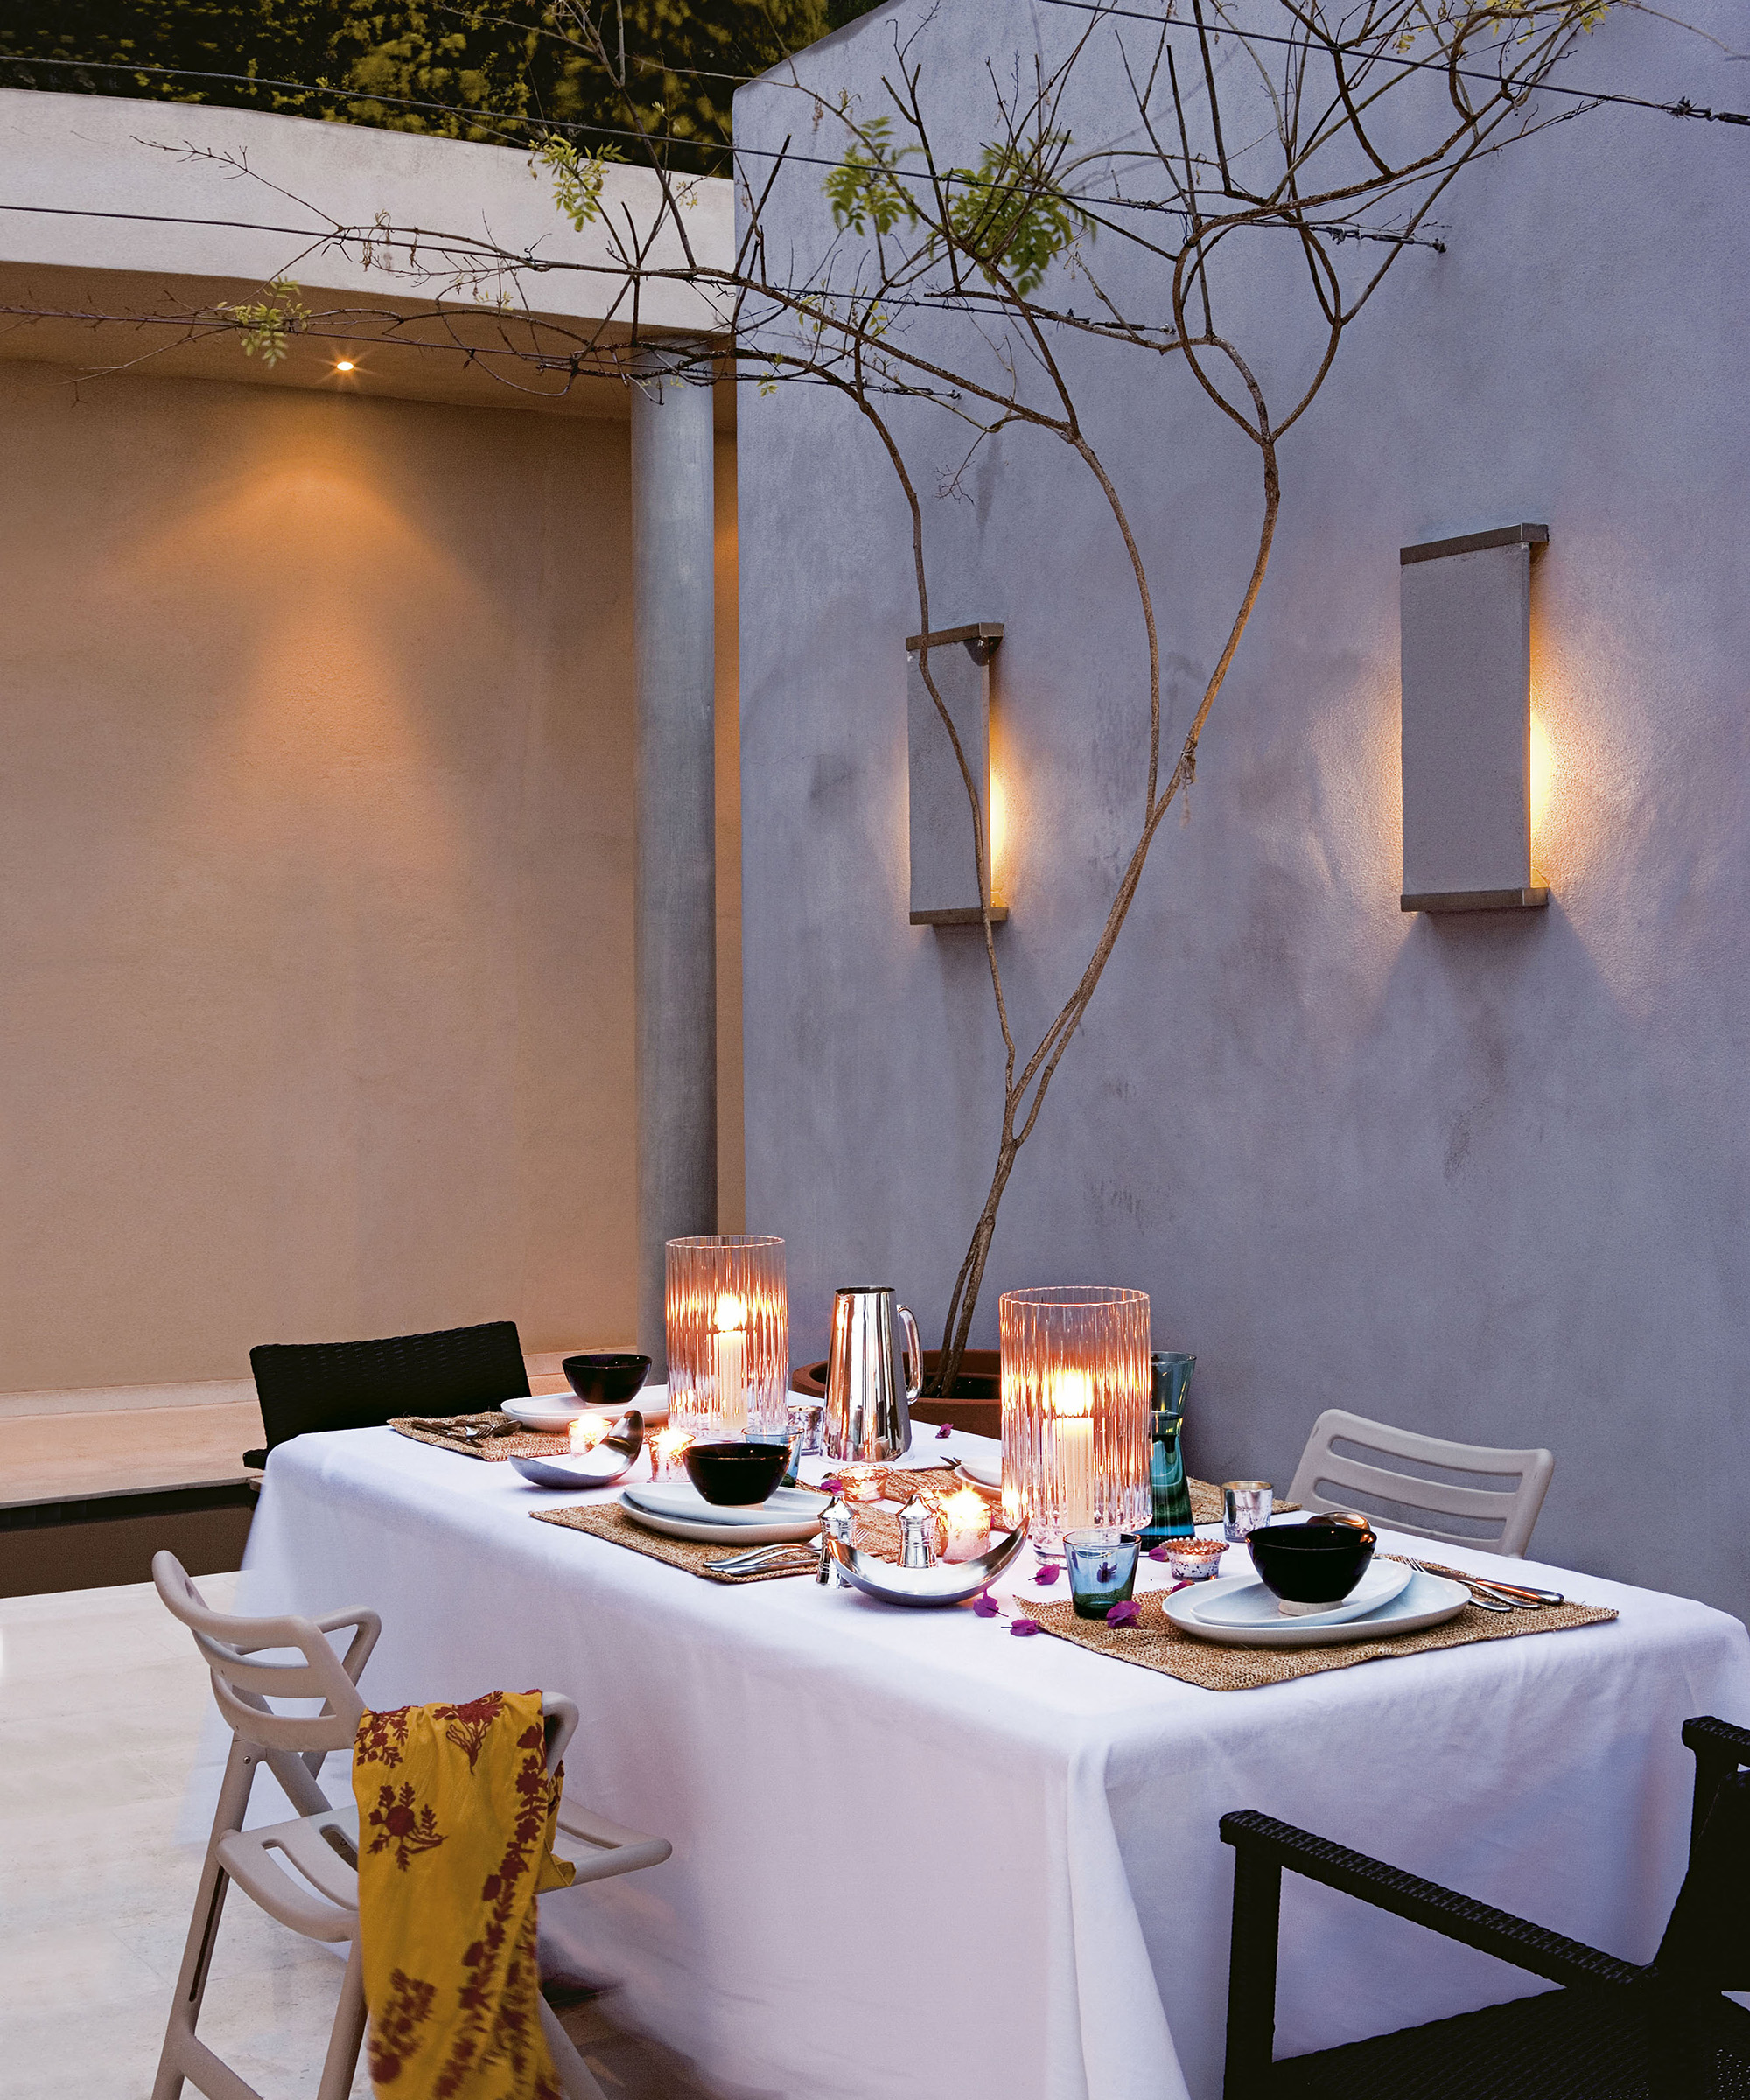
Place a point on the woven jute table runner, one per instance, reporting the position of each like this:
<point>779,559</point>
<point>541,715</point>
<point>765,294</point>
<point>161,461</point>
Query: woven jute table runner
<point>609,1521</point>
<point>873,1531</point>
<point>519,1444</point>
<point>1155,1644</point>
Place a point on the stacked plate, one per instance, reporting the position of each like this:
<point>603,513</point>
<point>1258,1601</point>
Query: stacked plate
<point>556,1412</point>
<point>1239,1612</point>
<point>678,1510</point>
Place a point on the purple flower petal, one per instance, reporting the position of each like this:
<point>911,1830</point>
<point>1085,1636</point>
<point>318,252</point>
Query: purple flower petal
<point>1156,1552</point>
<point>1126,1614</point>
<point>832,1485</point>
<point>1023,1626</point>
<point>986,1607</point>
<point>1047,1574</point>
<point>946,1430</point>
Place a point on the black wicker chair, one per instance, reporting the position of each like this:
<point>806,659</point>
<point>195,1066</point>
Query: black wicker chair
<point>1615,2030</point>
<point>359,1384</point>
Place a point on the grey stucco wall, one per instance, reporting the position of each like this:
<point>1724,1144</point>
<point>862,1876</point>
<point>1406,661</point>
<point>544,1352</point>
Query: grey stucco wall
<point>1485,1177</point>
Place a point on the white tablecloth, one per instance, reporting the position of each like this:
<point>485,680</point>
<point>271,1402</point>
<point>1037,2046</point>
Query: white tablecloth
<point>915,1855</point>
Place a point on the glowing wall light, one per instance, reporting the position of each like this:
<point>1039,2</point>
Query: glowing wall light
<point>944,871</point>
<point>1469,789</point>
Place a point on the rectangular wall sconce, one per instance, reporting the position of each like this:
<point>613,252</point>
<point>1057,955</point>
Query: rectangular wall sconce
<point>1466,608</point>
<point>944,875</point>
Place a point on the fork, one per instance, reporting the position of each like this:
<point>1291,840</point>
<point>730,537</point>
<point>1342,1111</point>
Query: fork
<point>1485,1599</point>
<point>759,1558</point>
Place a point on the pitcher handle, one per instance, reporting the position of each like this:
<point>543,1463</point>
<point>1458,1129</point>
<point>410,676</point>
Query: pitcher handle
<point>914,1352</point>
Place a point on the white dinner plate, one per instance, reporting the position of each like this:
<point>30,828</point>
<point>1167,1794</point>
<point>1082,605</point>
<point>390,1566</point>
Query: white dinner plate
<point>1253,1604</point>
<point>790,1513</point>
<point>559,1411</point>
<point>986,1470</point>
<point>1424,1600</point>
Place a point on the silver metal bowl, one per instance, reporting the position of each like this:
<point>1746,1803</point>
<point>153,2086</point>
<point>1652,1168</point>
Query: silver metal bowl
<point>948,1582</point>
<point>600,1466</point>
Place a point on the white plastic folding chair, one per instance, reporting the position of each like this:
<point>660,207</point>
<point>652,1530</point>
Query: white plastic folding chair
<point>1422,1484</point>
<point>319,1896</point>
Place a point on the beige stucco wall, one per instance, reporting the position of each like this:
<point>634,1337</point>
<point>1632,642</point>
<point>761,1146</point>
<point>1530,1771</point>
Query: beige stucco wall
<point>315,874</point>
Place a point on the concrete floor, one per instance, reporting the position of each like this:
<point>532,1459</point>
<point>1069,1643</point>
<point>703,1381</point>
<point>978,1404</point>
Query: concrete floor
<point>101,1700</point>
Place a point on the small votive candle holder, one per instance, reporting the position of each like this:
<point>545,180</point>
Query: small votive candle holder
<point>1102,1569</point>
<point>587,1431</point>
<point>804,1419</point>
<point>965,1525</point>
<point>668,1449</point>
<point>1245,1505</point>
<point>1194,1559</point>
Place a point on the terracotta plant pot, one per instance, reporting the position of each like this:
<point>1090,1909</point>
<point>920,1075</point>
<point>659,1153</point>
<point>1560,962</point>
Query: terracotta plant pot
<point>977,1402</point>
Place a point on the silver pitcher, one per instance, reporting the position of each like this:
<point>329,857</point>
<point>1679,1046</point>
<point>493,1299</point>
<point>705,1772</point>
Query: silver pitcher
<point>866,1391</point>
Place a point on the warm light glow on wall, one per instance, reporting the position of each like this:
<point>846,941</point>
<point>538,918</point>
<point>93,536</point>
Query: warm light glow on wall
<point>1542,773</point>
<point>999,810</point>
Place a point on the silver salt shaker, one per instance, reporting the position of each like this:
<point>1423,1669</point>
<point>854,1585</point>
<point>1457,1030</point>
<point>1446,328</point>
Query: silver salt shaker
<point>917,1535</point>
<point>835,1523</point>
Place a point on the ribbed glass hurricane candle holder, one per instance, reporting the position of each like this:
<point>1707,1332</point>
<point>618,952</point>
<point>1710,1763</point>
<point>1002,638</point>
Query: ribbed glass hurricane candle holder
<point>729,1336</point>
<point>1075,1410</point>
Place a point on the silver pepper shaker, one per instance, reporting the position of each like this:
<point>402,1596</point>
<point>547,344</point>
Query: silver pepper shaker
<point>917,1535</point>
<point>835,1524</point>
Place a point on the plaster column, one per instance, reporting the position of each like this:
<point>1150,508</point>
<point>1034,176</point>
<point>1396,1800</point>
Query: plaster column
<point>676,898</point>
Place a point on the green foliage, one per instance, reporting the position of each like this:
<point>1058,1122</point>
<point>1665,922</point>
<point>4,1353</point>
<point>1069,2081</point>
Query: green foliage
<point>866,189</point>
<point>578,177</point>
<point>1009,216</point>
<point>268,322</point>
<point>503,71</point>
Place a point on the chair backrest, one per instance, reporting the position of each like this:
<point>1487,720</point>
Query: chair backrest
<point>1707,1942</point>
<point>1469,1495</point>
<point>359,1384</point>
<point>241,1685</point>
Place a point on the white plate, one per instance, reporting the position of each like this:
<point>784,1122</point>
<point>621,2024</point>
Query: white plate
<point>680,1499</point>
<point>771,1523</point>
<point>1424,1600</point>
<point>559,1411</point>
<point>988,1472</point>
<point>1253,1604</point>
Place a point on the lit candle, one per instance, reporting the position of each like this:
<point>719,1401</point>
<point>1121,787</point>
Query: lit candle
<point>732,1361</point>
<point>666,1453</point>
<point>1072,1409</point>
<point>587,1431</point>
<point>965,1525</point>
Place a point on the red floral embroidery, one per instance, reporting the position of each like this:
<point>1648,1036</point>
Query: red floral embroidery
<point>470,1724</point>
<point>381,1738</point>
<point>398,1822</point>
<point>394,2026</point>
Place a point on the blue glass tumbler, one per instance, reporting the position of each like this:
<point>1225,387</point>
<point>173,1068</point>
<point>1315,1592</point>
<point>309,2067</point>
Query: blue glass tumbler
<point>1102,1569</point>
<point>1171,1515</point>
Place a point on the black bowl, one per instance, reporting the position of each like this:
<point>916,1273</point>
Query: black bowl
<point>1318,1562</point>
<point>606,1377</point>
<point>734,1474</point>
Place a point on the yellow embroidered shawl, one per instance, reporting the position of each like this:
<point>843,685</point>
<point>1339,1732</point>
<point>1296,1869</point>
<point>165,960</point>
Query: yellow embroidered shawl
<point>455,1819</point>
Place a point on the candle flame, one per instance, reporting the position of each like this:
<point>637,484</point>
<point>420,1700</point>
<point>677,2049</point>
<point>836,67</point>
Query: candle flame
<point>968,1507</point>
<point>731,1313</point>
<point>1072,1394</point>
<point>586,1432</point>
<point>672,1442</point>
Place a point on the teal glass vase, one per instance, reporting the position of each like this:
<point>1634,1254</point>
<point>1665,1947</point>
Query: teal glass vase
<point>1169,1516</point>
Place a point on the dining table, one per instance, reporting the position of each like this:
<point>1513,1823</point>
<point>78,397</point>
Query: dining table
<point>914,1854</point>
